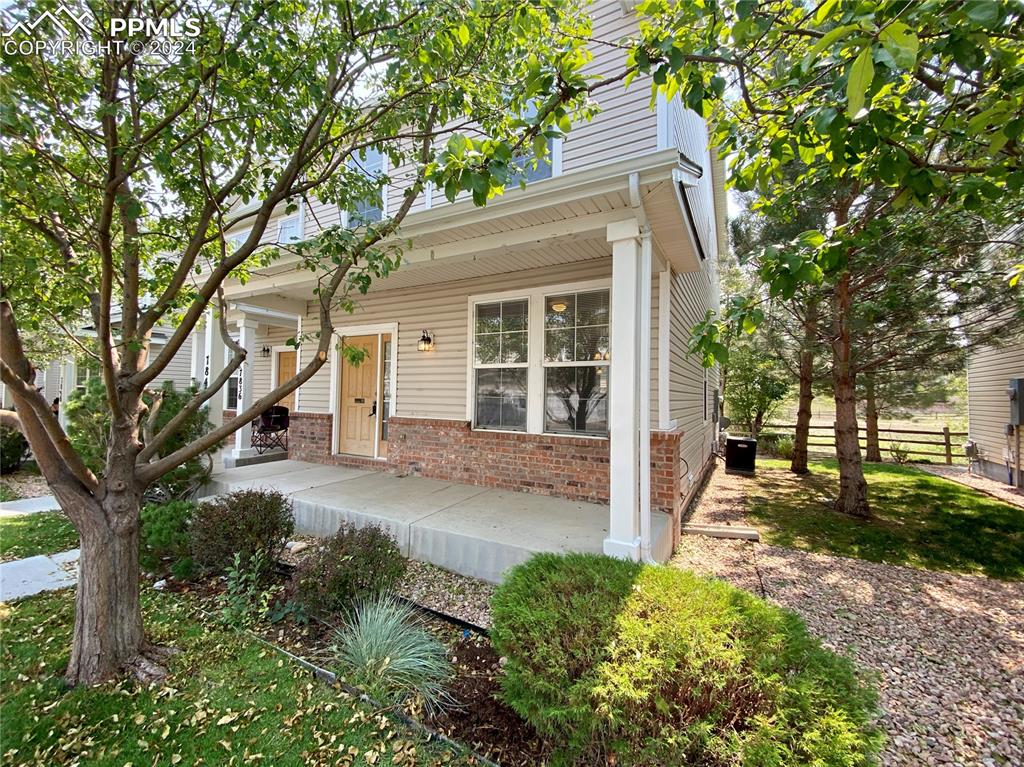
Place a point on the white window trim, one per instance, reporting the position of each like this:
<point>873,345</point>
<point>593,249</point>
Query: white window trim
<point>335,393</point>
<point>239,237</point>
<point>385,164</point>
<point>535,364</point>
<point>274,352</point>
<point>300,215</point>
<point>227,358</point>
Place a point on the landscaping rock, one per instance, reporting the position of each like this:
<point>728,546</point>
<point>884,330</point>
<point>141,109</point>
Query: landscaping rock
<point>948,649</point>
<point>295,547</point>
<point>160,585</point>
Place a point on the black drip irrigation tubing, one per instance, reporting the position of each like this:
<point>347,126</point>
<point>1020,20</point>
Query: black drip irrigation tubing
<point>331,679</point>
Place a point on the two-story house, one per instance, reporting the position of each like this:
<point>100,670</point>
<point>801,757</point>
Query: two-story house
<point>537,344</point>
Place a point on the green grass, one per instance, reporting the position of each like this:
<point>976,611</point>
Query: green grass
<point>229,701</point>
<point>26,535</point>
<point>920,520</point>
<point>7,494</point>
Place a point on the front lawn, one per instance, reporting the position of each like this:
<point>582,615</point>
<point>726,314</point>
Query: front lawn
<point>26,535</point>
<point>229,701</point>
<point>920,520</point>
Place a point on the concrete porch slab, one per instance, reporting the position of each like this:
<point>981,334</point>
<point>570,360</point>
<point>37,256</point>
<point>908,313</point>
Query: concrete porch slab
<point>376,498</point>
<point>472,530</point>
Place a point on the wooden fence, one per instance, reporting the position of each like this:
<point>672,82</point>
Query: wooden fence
<point>942,444</point>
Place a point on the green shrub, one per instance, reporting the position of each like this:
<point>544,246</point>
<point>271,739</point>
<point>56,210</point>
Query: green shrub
<point>243,523</point>
<point>13,449</point>
<point>245,601</point>
<point>89,426</point>
<point>900,454</point>
<point>785,447</point>
<point>355,563</point>
<point>164,539</point>
<point>658,666</point>
<point>387,654</point>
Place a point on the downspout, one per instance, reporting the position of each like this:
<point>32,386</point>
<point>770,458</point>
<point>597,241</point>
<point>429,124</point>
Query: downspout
<point>644,420</point>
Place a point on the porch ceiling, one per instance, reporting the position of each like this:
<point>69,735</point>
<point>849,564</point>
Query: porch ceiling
<point>558,221</point>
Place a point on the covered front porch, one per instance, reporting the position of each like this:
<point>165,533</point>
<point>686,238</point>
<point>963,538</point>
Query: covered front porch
<point>472,530</point>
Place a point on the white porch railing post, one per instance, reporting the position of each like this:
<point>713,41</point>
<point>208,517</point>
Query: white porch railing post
<point>247,340</point>
<point>198,360</point>
<point>211,369</point>
<point>624,524</point>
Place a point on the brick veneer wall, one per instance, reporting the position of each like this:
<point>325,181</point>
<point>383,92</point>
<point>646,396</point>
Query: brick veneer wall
<point>570,467</point>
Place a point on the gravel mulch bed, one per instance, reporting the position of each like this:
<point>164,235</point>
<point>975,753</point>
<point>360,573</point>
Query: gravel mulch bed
<point>447,592</point>
<point>999,490</point>
<point>720,502</point>
<point>948,649</point>
<point>25,484</point>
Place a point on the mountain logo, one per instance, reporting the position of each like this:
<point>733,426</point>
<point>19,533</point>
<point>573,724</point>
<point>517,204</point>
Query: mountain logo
<point>64,19</point>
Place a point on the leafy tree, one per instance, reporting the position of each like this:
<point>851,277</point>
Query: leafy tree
<point>758,383</point>
<point>894,103</point>
<point>121,171</point>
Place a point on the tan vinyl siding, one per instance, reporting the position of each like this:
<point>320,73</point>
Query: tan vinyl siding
<point>179,369</point>
<point>988,407</point>
<point>432,384</point>
<point>262,369</point>
<point>626,125</point>
<point>691,295</point>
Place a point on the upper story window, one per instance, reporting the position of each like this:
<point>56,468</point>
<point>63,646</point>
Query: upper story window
<point>235,240</point>
<point>371,165</point>
<point>576,357</point>
<point>289,229</point>
<point>556,383</point>
<point>526,169</point>
<point>500,359</point>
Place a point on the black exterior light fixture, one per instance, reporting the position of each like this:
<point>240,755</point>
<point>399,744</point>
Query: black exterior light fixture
<point>265,352</point>
<point>426,342</point>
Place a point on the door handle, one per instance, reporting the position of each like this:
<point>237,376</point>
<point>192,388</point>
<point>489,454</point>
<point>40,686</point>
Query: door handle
<point>373,409</point>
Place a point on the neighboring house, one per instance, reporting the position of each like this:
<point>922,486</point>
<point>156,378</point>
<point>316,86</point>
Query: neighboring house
<point>537,344</point>
<point>71,373</point>
<point>990,423</point>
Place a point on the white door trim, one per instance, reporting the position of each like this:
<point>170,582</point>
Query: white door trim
<point>377,329</point>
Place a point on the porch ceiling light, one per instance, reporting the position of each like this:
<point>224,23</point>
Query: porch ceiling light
<point>558,307</point>
<point>426,342</point>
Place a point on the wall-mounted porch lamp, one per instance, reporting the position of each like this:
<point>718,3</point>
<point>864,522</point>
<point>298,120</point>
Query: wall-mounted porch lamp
<point>265,352</point>
<point>426,342</point>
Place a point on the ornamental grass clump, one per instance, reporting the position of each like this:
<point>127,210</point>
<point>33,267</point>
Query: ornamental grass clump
<point>654,665</point>
<point>386,653</point>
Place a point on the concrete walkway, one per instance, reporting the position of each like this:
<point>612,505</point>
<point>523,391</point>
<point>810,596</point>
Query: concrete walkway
<point>28,506</point>
<point>472,530</point>
<point>33,575</point>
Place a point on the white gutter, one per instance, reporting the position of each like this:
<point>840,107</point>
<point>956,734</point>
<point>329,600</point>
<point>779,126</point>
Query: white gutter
<point>644,307</point>
<point>260,311</point>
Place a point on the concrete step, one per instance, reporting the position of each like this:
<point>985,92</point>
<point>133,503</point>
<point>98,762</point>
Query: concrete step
<point>737,532</point>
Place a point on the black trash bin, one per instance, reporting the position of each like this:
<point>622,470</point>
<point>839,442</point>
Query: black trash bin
<point>740,455</point>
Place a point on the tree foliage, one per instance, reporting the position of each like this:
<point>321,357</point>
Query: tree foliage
<point>758,383</point>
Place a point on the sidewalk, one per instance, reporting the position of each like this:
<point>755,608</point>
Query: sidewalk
<point>28,506</point>
<point>32,575</point>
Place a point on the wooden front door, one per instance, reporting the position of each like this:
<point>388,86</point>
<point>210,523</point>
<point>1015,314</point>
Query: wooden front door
<point>358,398</point>
<point>285,373</point>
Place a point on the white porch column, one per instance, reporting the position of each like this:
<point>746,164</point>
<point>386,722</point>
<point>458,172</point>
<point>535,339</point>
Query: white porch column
<point>214,364</point>
<point>624,525</point>
<point>198,368</point>
<point>67,388</point>
<point>247,340</point>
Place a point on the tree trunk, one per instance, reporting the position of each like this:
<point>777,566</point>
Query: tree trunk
<point>853,489</point>
<point>803,414</point>
<point>874,452</point>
